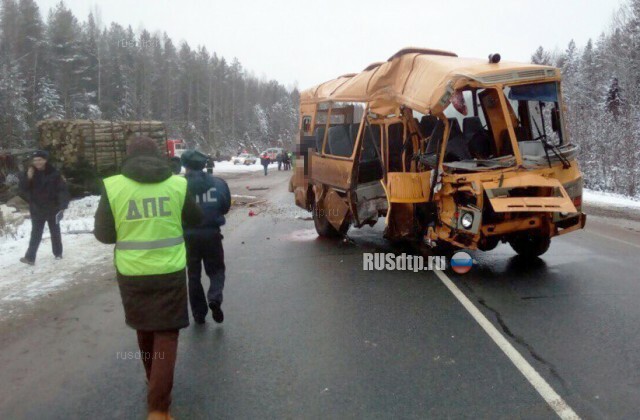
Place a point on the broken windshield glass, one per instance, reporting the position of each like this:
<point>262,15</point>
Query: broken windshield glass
<point>536,106</point>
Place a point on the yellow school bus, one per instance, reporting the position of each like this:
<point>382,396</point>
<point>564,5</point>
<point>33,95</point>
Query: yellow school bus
<point>452,152</point>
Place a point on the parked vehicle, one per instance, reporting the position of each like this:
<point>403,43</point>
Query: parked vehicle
<point>452,151</point>
<point>245,159</point>
<point>272,152</point>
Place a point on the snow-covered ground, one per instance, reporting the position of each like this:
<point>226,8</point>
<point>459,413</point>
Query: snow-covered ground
<point>609,199</point>
<point>21,283</point>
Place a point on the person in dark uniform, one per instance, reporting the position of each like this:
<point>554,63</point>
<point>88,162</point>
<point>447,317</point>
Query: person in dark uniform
<point>46,191</point>
<point>204,242</point>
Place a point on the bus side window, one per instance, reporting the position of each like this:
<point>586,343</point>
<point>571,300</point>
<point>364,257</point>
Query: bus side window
<point>306,124</point>
<point>340,142</point>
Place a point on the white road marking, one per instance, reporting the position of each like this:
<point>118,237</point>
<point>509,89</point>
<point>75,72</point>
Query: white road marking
<point>611,238</point>
<point>545,390</point>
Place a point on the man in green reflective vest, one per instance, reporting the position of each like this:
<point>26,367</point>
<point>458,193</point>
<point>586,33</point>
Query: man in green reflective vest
<point>142,212</point>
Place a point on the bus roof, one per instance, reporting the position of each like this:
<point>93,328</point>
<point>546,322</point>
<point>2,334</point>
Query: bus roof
<point>421,79</point>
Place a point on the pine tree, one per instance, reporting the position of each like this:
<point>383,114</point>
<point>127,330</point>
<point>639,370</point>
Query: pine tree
<point>48,103</point>
<point>9,17</point>
<point>541,57</point>
<point>31,47</point>
<point>63,34</point>
<point>614,101</point>
<point>13,109</point>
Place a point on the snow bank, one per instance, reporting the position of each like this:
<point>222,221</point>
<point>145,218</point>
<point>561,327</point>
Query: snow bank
<point>609,199</point>
<point>25,284</point>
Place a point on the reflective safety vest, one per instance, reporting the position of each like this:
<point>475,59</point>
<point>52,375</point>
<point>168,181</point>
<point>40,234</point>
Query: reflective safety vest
<point>148,220</point>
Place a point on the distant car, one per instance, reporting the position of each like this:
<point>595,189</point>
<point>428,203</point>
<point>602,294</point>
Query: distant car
<point>245,159</point>
<point>272,152</point>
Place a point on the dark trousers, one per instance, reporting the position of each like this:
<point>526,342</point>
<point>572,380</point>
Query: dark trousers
<point>265,169</point>
<point>37,227</point>
<point>205,247</point>
<point>280,165</point>
<point>158,351</point>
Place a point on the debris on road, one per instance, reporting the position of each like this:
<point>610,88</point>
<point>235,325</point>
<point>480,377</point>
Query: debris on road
<point>255,203</point>
<point>257,188</point>
<point>247,203</point>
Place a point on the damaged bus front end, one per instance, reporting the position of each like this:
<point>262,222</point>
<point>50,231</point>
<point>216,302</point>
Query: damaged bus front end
<point>451,151</point>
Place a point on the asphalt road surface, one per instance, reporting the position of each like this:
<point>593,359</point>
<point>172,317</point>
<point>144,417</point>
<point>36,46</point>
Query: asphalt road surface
<point>309,334</point>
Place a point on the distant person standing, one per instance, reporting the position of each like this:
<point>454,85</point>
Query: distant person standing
<point>204,242</point>
<point>280,160</point>
<point>210,164</point>
<point>46,191</point>
<point>264,161</point>
<point>142,212</point>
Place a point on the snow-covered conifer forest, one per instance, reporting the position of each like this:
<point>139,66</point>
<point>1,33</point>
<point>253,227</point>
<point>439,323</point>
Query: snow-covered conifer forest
<point>66,66</point>
<point>601,89</point>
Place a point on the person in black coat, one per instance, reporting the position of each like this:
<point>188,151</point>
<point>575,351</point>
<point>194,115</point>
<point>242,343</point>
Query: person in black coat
<point>46,191</point>
<point>265,161</point>
<point>204,242</point>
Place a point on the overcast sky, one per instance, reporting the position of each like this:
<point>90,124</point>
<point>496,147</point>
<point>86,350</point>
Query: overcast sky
<point>305,42</point>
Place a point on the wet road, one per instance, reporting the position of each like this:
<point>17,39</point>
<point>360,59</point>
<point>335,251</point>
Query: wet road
<point>309,334</point>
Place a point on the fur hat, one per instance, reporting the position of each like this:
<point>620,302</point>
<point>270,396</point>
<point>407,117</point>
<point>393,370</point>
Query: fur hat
<point>142,146</point>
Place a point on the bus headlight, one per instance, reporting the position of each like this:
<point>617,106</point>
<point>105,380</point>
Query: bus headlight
<point>467,220</point>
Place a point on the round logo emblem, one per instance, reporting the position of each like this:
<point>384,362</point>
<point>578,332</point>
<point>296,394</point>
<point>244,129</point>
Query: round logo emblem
<point>461,262</point>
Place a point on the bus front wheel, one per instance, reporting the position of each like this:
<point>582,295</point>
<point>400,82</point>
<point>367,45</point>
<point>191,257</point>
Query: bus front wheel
<point>530,245</point>
<point>324,228</point>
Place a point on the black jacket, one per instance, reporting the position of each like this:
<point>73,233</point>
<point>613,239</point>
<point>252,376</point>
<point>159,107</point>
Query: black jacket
<point>46,192</point>
<point>157,302</point>
<point>212,195</point>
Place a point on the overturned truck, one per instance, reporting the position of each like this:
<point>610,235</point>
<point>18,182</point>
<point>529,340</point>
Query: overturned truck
<point>453,152</point>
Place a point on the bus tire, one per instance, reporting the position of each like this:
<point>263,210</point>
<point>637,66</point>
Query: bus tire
<point>530,245</point>
<point>324,228</point>
<point>445,249</point>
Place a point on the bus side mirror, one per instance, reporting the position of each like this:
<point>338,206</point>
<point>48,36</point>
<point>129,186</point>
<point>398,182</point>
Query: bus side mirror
<point>555,119</point>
